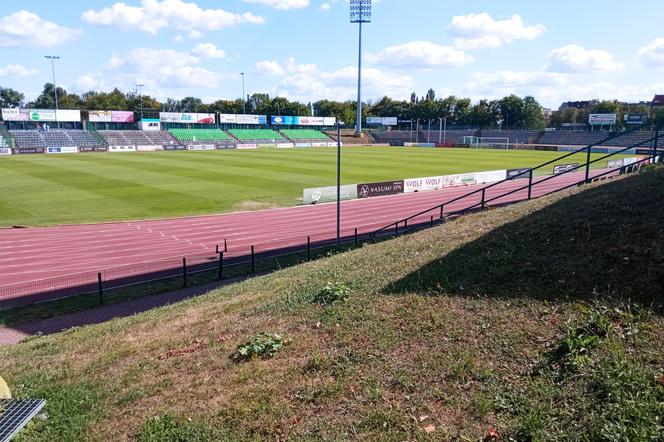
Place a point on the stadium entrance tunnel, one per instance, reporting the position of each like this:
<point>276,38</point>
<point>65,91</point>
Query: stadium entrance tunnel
<point>604,241</point>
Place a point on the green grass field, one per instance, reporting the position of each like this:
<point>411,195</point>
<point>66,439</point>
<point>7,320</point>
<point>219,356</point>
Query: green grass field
<point>47,190</point>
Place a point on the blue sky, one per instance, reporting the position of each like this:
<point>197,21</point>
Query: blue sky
<point>307,49</point>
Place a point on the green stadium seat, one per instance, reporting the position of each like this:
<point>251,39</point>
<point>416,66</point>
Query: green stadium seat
<point>257,135</point>
<point>189,135</point>
<point>305,134</point>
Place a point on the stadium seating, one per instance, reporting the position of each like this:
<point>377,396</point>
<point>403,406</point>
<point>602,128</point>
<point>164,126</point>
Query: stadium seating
<point>3,142</point>
<point>200,135</point>
<point>257,136</point>
<point>305,135</point>
<point>137,137</point>
<point>571,137</point>
<point>54,138</point>
<point>514,136</point>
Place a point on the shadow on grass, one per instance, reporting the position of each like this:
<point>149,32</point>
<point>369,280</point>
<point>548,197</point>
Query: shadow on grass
<point>607,241</point>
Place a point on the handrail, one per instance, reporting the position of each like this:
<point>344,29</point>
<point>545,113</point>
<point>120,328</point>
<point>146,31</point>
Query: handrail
<point>529,171</point>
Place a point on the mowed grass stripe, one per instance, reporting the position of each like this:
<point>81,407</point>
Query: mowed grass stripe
<point>44,190</point>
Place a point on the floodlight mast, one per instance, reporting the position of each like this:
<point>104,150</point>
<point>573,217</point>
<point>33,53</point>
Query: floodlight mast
<point>360,12</point>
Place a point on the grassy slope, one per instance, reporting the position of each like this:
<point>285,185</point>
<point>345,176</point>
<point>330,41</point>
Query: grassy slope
<point>40,190</point>
<point>505,340</point>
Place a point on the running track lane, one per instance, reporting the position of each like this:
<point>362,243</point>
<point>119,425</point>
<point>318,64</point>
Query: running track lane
<point>34,254</point>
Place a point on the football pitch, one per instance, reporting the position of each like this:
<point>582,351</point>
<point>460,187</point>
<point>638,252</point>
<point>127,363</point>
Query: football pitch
<point>46,190</point>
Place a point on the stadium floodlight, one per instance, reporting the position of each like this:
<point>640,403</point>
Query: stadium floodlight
<point>55,89</point>
<point>360,12</point>
<point>140,95</point>
<point>339,123</point>
<point>244,97</point>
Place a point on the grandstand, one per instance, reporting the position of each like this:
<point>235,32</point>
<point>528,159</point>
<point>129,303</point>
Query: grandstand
<point>54,138</point>
<point>348,137</point>
<point>137,137</point>
<point>201,135</point>
<point>304,135</point>
<point>257,136</point>
<point>514,136</point>
<point>571,137</point>
<point>3,142</point>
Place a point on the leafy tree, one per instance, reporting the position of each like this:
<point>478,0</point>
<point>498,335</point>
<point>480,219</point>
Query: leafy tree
<point>114,100</point>
<point>533,114</point>
<point>485,114</point>
<point>10,98</point>
<point>46,100</point>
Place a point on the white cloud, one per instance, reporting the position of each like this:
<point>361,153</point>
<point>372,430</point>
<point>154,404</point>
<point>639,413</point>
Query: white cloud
<point>266,67</point>
<point>284,5</point>
<point>474,31</point>
<point>178,38</point>
<point>25,28</point>
<point>153,15</point>
<point>86,83</point>
<point>195,34</point>
<point>574,58</point>
<point>208,50</point>
<point>306,82</point>
<point>652,55</point>
<point>324,7</point>
<point>420,54</point>
<point>542,85</point>
<point>16,70</point>
<point>162,68</point>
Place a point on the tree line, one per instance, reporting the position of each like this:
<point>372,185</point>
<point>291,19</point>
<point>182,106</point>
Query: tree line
<point>510,112</point>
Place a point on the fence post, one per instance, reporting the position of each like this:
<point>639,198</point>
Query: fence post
<point>530,184</point>
<point>441,212</point>
<point>225,245</point>
<point>308,248</point>
<point>655,146</point>
<point>355,236</point>
<point>253,260</point>
<point>396,228</point>
<point>220,273</point>
<point>100,288</point>
<point>405,225</point>
<point>431,220</point>
<point>483,193</point>
<point>588,165</point>
<point>184,271</point>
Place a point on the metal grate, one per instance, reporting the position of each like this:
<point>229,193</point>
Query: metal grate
<point>14,415</point>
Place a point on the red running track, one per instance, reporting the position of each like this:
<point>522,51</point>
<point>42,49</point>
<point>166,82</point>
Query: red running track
<point>29,257</point>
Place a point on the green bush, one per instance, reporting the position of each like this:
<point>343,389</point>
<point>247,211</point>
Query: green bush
<point>332,293</point>
<point>263,345</point>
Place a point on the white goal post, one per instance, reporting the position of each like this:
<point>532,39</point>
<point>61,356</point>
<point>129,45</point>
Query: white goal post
<point>491,143</point>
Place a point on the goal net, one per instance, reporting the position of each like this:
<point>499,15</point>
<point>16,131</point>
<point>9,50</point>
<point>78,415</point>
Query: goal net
<point>492,143</point>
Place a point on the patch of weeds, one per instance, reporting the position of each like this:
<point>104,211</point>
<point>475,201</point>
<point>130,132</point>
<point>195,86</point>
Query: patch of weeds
<point>263,345</point>
<point>630,401</point>
<point>404,381</point>
<point>172,429</point>
<point>482,405</point>
<point>332,293</point>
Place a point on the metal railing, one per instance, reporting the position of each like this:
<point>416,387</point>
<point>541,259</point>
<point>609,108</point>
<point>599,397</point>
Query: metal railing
<point>482,192</point>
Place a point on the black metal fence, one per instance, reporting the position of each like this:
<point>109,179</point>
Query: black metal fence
<point>183,269</point>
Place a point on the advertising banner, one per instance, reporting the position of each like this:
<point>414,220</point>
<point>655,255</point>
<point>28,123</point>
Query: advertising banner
<point>303,145</point>
<point>122,117</point>
<point>247,146</point>
<point>285,145</point>
<point>629,161</point>
<point>186,117</point>
<point>68,116</point>
<point>635,118</point>
<point>490,176</point>
<point>368,190</point>
<point>93,149</point>
<point>374,120</point>
<point>329,194</point>
<point>602,119</point>
<point>251,119</point>
<point>149,147</point>
<point>613,164</point>
<point>41,115</point>
<point>99,116</point>
<point>389,121</point>
<point>227,118</point>
<point>201,147</point>
<point>28,150</point>
<point>518,174</point>
<point>560,168</point>
<point>329,121</point>
<point>122,148</point>
<point>15,114</point>
<point>5,151</point>
<point>175,147</point>
<point>312,121</point>
<point>67,149</point>
<point>422,184</point>
<point>465,179</point>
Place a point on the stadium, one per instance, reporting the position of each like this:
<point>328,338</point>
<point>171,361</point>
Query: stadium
<point>272,267</point>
